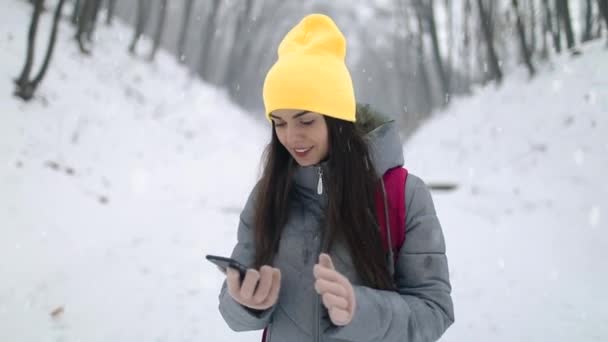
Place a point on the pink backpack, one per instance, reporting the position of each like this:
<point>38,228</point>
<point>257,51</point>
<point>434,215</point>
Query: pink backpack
<point>394,189</point>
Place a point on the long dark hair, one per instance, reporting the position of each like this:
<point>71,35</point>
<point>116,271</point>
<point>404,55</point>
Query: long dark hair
<point>351,184</point>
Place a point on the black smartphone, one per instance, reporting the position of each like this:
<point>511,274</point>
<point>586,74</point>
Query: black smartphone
<point>223,263</point>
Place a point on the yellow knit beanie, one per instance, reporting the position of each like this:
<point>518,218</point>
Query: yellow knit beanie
<point>310,73</point>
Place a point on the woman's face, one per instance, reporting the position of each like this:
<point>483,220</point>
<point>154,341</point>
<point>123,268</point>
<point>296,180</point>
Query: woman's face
<point>303,133</point>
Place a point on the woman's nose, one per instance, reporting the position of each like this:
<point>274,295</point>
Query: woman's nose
<point>294,135</point>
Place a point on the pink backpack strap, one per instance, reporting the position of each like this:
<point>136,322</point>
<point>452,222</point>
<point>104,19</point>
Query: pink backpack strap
<point>394,189</point>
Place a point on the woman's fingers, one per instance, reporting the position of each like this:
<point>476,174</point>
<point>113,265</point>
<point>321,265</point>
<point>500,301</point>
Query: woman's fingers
<point>275,288</point>
<point>323,286</point>
<point>249,284</point>
<point>339,316</point>
<point>264,284</point>
<point>325,261</point>
<point>234,282</point>
<point>259,290</point>
<point>332,301</point>
<point>321,272</point>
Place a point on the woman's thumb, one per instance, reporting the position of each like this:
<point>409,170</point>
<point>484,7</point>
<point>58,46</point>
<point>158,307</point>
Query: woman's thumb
<point>325,261</point>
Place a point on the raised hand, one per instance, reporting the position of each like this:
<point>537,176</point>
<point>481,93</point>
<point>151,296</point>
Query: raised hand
<point>335,290</point>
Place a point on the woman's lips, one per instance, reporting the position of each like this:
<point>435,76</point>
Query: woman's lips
<point>302,152</point>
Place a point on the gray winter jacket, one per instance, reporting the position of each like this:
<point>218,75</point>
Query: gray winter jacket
<point>420,310</point>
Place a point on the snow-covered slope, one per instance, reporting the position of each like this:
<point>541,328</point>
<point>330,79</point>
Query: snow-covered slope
<point>114,182</point>
<point>121,175</point>
<point>527,229</point>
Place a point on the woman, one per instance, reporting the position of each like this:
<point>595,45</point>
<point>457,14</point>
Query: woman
<point>308,231</point>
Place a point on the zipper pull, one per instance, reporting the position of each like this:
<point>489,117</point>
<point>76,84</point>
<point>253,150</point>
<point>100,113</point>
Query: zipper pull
<point>320,184</point>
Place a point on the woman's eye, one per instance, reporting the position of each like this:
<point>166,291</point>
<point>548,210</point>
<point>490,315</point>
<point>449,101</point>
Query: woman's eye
<point>308,123</point>
<point>279,124</point>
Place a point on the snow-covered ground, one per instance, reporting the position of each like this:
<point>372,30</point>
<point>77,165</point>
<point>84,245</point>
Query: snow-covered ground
<point>527,231</point>
<point>121,175</point>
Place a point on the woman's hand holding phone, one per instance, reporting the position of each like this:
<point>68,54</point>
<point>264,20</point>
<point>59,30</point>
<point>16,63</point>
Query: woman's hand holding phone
<point>258,291</point>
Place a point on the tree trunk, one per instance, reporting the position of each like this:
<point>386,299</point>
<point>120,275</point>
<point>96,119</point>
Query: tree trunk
<point>428,13</point>
<point>485,25</point>
<point>546,29</point>
<point>603,5</point>
<point>564,14</point>
<point>208,34</point>
<point>554,26</point>
<point>160,27</point>
<point>449,67</point>
<point>532,26</point>
<point>93,21</point>
<point>85,17</point>
<point>599,26</point>
<point>427,98</point>
<point>522,38</point>
<point>25,88</point>
<point>110,14</point>
<point>586,35</point>
<point>466,44</point>
<point>236,51</point>
<point>181,45</point>
<point>140,25</point>
<point>76,12</point>
<point>437,54</point>
<point>22,80</point>
<point>51,45</point>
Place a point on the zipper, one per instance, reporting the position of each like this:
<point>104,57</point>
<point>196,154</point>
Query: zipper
<point>320,183</point>
<point>317,322</point>
<point>318,238</point>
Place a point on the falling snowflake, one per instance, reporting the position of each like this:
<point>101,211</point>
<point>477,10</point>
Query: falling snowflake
<point>556,85</point>
<point>139,181</point>
<point>579,157</point>
<point>594,216</point>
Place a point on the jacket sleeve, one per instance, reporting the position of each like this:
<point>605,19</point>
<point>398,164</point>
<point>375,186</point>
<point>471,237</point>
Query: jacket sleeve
<point>421,310</point>
<point>237,316</point>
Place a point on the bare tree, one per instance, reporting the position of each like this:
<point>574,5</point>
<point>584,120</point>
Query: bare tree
<point>522,38</point>
<point>181,45</point>
<point>86,23</point>
<point>427,13</point>
<point>425,102</point>
<point>603,6</point>
<point>449,62</point>
<point>532,9</point>
<point>93,20</point>
<point>489,39</point>
<point>24,87</point>
<point>208,33</point>
<point>466,43</point>
<point>586,32</point>
<point>110,14</point>
<point>143,9</point>
<point>564,15</point>
<point>76,12</point>
<point>546,29</point>
<point>23,78</point>
<point>554,25</point>
<point>237,49</point>
<point>160,27</point>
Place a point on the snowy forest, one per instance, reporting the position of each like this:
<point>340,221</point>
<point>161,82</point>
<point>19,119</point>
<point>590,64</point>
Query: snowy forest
<point>408,57</point>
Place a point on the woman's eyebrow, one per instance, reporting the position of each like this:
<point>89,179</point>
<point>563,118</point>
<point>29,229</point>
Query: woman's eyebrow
<point>295,115</point>
<point>300,114</point>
